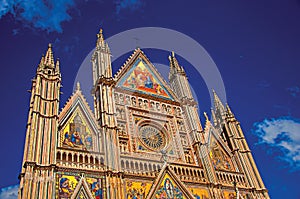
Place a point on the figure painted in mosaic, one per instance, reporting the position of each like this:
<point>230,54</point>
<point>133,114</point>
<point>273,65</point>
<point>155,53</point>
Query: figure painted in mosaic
<point>169,188</point>
<point>199,193</point>
<point>65,189</point>
<point>96,189</point>
<point>67,140</point>
<point>78,137</point>
<point>168,191</point>
<point>142,79</point>
<point>88,142</point>
<point>136,191</point>
<point>219,159</point>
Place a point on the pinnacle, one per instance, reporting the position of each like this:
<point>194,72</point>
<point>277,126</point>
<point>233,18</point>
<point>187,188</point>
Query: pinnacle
<point>218,103</point>
<point>78,86</point>
<point>100,40</point>
<point>57,65</point>
<point>173,62</point>
<point>49,59</point>
<point>229,112</point>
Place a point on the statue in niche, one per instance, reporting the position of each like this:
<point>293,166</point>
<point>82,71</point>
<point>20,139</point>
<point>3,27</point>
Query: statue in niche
<point>121,98</point>
<point>127,101</point>
<point>188,157</point>
<point>152,105</point>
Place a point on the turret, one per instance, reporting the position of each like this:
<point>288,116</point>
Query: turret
<point>104,107</point>
<point>101,59</point>
<point>37,175</point>
<point>178,79</point>
<point>232,134</point>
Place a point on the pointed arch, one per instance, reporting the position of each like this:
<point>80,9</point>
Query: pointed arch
<point>82,190</point>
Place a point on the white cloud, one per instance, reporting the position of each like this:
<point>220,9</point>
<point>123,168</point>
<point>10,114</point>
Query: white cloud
<point>10,192</point>
<point>284,134</point>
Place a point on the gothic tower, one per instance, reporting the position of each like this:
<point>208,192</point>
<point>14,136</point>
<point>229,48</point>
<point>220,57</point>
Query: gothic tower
<point>105,114</point>
<point>232,134</point>
<point>37,176</point>
<point>179,83</point>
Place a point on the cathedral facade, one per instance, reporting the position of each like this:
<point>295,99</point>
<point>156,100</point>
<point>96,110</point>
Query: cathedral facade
<point>143,140</point>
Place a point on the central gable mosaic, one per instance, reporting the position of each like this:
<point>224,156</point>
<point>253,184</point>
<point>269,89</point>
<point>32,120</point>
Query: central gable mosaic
<point>140,78</point>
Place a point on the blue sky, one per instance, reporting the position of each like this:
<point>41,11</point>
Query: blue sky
<point>255,45</point>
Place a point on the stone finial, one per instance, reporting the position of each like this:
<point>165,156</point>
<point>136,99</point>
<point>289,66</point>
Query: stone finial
<point>100,40</point>
<point>49,59</point>
<point>77,86</point>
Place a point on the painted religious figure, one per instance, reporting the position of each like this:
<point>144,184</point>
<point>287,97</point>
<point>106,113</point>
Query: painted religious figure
<point>66,185</point>
<point>168,191</point>
<point>97,190</point>
<point>219,159</point>
<point>136,190</point>
<point>77,136</point>
<point>169,188</point>
<point>65,189</point>
<point>142,79</point>
<point>199,193</point>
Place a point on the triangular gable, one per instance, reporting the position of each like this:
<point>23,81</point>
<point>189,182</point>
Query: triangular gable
<point>219,152</point>
<point>211,133</point>
<point>82,190</point>
<point>168,185</point>
<point>139,75</point>
<point>78,128</point>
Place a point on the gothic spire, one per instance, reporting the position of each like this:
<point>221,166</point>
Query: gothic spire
<point>41,62</point>
<point>174,65</point>
<point>217,102</point>
<point>57,70</point>
<point>213,115</point>
<point>49,59</point>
